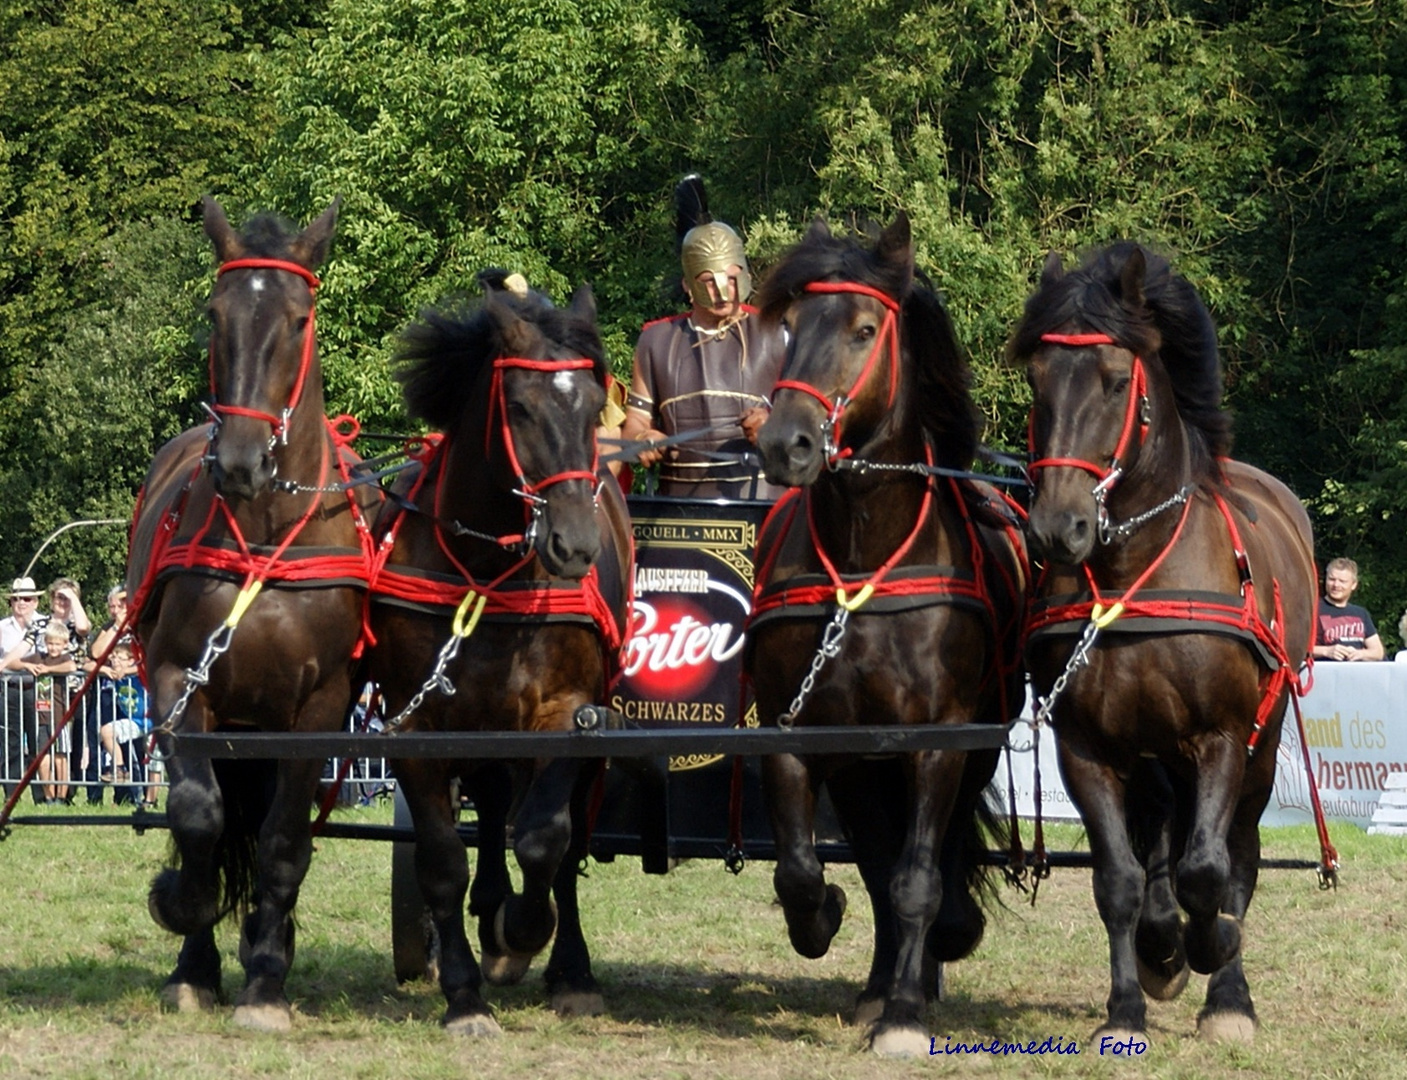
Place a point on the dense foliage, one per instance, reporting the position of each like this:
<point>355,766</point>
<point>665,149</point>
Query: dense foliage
<point>1260,143</point>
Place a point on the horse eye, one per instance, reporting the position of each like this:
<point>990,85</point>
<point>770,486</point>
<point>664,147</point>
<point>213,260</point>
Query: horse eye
<point>1119,385</point>
<point>865,333</point>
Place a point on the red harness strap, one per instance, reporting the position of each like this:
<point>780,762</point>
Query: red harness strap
<point>888,336</point>
<point>1240,614</point>
<point>502,596</point>
<point>282,562</point>
<point>279,423</point>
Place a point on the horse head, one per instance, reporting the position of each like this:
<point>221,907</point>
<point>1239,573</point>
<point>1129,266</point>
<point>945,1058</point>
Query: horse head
<point>518,385</point>
<point>263,352</point>
<point>841,307</point>
<point>1121,359</point>
<point>547,397</point>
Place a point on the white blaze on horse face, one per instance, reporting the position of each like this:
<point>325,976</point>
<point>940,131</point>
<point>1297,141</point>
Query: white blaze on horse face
<point>256,283</point>
<point>566,385</point>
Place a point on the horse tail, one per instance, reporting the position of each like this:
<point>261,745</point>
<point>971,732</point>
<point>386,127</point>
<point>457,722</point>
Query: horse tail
<point>246,789</point>
<point>969,884</point>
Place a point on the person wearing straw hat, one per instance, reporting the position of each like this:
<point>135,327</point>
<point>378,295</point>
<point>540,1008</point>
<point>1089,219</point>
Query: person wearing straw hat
<point>21,633</point>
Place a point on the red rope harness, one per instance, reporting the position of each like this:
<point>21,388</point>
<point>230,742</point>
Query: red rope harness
<point>502,595</point>
<point>279,423</point>
<point>498,401</point>
<point>1138,394</point>
<point>888,335</point>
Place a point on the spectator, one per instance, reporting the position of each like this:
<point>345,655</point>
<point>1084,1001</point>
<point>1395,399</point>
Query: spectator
<point>115,689</point>
<point>130,727</point>
<point>1344,631</point>
<point>51,667</point>
<point>712,368</point>
<point>19,635</point>
<point>1401,656</point>
<point>66,607</point>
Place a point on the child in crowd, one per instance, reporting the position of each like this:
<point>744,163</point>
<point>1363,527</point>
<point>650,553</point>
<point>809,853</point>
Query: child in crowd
<point>117,729</point>
<point>50,668</point>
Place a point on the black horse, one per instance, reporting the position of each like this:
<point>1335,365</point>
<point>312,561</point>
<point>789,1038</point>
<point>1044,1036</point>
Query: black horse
<point>248,500</point>
<point>500,603</point>
<point>1186,581</point>
<point>886,594</point>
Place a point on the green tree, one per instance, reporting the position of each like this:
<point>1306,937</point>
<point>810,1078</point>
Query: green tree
<point>469,134</point>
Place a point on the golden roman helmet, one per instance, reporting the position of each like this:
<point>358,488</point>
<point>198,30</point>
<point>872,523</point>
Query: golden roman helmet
<point>712,248</point>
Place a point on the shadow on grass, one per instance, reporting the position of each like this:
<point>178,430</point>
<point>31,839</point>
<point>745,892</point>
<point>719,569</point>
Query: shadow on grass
<point>333,984</point>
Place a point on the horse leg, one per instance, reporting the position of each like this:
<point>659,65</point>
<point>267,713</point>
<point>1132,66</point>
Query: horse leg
<point>491,788</point>
<point>1229,1014</point>
<point>916,892</point>
<point>1212,937</point>
<point>869,801</point>
<point>442,869</point>
<point>542,832</point>
<point>267,939</point>
<point>813,909</point>
<point>571,986</point>
<point>1162,962</point>
<point>185,899</point>
<point>1099,794</point>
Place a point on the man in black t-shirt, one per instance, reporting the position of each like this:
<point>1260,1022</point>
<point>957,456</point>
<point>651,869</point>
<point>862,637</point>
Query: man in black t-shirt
<point>1344,631</point>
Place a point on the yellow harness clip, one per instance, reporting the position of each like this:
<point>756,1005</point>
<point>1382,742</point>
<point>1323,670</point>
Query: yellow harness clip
<point>855,603</point>
<point>462,627</point>
<point>242,601</point>
<point>1102,618</point>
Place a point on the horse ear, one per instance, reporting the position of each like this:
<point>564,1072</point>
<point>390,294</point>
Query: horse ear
<point>583,304</point>
<point>311,246</point>
<point>517,336</point>
<point>896,243</point>
<point>221,233</point>
<point>1053,270</point>
<point>1131,278</point>
<point>818,232</point>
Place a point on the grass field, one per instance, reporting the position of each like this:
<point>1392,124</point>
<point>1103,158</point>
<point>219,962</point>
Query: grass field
<point>698,975</point>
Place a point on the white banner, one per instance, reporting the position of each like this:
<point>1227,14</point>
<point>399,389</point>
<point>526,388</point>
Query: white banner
<point>1355,720</point>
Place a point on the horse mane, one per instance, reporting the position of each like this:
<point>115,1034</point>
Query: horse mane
<point>267,236</point>
<point>942,383</point>
<point>1172,324</point>
<point>442,354</point>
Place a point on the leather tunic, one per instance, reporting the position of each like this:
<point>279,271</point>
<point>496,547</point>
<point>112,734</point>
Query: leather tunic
<point>696,379</point>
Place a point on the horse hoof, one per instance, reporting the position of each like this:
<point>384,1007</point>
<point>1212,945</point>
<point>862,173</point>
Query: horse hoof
<point>275,1019</point>
<point>900,1042</point>
<point>568,1003</point>
<point>504,969</point>
<point>1162,987</point>
<point>1227,1027</point>
<point>474,1026</point>
<point>868,1012</point>
<point>500,928</point>
<point>183,997</point>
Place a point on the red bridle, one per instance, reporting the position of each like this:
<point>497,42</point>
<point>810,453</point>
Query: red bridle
<point>498,401</point>
<point>278,423</point>
<point>1133,415</point>
<point>888,333</point>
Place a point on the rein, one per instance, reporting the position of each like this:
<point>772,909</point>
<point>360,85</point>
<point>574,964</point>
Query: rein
<point>278,424</point>
<point>888,335</point>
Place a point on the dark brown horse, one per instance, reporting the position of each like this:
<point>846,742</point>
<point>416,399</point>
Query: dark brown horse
<point>248,500</point>
<point>501,606</point>
<point>1186,580</point>
<point>924,591</point>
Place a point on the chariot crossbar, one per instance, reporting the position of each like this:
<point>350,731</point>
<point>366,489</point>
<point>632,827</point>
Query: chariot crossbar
<point>600,733</point>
